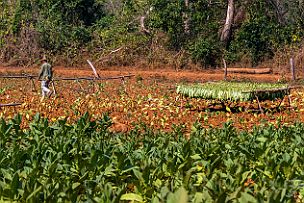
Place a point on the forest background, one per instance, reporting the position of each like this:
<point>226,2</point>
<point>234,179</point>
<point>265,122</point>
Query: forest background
<point>152,33</point>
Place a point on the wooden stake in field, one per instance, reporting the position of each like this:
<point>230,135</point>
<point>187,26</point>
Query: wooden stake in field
<point>93,68</point>
<point>292,69</point>
<point>31,80</point>
<point>33,85</point>
<point>95,73</point>
<point>54,88</point>
<point>225,69</point>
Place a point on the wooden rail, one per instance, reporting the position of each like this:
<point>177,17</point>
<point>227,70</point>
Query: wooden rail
<point>60,79</point>
<point>16,76</point>
<point>8,105</point>
<point>93,79</point>
<point>96,79</point>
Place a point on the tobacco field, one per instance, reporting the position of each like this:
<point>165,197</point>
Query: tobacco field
<point>141,141</point>
<point>85,162</point>
<point>153,101</point>
<point>190,101</point>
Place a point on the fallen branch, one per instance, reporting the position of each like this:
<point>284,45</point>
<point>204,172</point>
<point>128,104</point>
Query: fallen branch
<point>116,50</point>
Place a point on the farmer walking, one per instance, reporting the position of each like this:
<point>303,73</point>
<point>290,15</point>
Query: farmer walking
<point>45,75</point>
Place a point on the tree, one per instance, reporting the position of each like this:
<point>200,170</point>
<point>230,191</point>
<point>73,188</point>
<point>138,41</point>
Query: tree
<point>226,32</point>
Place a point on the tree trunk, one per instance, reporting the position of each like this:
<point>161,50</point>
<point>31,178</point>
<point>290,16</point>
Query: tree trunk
<point>142,25</point>
<point>142,22</point>
<point>225,36</point>
<point>279,9</point>
<point>186,18</point>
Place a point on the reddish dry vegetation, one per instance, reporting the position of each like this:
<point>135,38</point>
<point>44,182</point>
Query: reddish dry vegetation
<point>148,98</point>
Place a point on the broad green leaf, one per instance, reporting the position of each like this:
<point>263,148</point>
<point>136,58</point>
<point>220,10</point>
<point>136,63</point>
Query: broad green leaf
<point>33,193</point>
<point>262,139</point>
<point>198,197</point>
<point>196,157</point>
<point>138,174</point>
<point>155,200</point>
<point>247,198</point>
<point>75,185</point>
<point>131,197</point>
<point>283,194</point>
<point>6,174</point>
<point>180,196</point>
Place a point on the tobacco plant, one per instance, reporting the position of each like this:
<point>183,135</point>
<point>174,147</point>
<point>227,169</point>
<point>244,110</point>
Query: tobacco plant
<point>85,162</point>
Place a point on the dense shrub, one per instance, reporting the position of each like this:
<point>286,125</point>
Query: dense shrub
<point>97,27</point>
<point>206,52</point>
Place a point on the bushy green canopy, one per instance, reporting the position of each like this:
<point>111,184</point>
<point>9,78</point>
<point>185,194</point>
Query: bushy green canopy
<point>70,27</point>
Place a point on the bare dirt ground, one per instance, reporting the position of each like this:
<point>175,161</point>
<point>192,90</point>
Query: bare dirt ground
<point>169,74</point>
<point>149,97</point>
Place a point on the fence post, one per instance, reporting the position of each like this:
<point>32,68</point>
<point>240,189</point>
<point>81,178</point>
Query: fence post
<point>292,69</point>
<point>225,69</point>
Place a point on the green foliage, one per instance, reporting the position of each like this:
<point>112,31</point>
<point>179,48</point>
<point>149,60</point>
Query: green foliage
<point>261,38</point>
<point>167,16</point>
<point>206,52</point>
<point>262,34</point>
<point>4,22</point>
<point>255,37</point>
<point>204,18</point>
<point>66,24</point>
<point>2,90</point>
<point>97,27</point>
<point>85,162</point>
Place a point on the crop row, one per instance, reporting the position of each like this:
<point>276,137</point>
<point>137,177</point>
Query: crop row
<point>85,162</point>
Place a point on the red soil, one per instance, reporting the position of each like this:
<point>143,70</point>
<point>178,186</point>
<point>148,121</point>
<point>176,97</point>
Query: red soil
<point>149,98</point>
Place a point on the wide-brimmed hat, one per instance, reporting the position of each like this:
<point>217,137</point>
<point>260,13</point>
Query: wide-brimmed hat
<point>44,58</point>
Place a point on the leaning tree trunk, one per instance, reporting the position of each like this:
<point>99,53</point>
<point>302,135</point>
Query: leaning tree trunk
<point>225,36</point>
<point>142,25</point>
<point>142,22</point>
